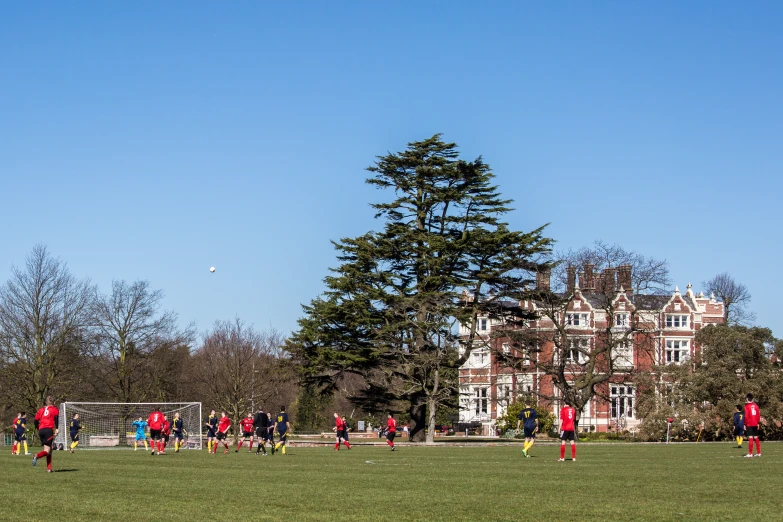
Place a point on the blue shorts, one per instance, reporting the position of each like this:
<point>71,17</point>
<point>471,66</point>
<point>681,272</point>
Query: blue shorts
<point>74,436</point>
<point>140,436</point>
<point>211,434</point>
<point>20,436</point>
<point>281,436</point>
<point>530,433</point>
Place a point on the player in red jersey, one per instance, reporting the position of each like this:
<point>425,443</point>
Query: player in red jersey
<point>155,422</point>
<point>246,425</point>
<point>222,434</point>
<point>391,431</point>
<point>567,431</point>
<point>165,434</point>
<point>46,421</point>
<point>752,418</point>
<point>339,430</point>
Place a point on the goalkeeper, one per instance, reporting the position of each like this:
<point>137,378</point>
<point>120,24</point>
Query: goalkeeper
<point>141,428</point>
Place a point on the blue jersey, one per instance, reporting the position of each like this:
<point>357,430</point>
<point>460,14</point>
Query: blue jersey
<point>282,422</point>
<point>528,417</point>
<point>739,420</point>
<point>140,426</point>
<point>20,423</point>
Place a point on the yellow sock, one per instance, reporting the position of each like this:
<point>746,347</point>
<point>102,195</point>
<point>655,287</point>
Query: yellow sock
<point>283,449</point>
<point>135,445</point>
<point>277,446</point>
<point>210,443</point>
<point>25,447</point>
<point>18,449</point>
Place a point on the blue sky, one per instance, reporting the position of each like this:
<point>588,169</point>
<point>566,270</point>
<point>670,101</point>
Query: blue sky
<point>152,140</point>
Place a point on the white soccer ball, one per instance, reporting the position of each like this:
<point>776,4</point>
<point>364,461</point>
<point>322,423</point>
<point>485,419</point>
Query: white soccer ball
<point>212,269</point>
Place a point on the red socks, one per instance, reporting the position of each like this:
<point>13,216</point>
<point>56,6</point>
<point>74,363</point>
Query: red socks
<point>41,454</point>
<point>337,446</point>
<point>48,462</point>
<point>562,451</point>
<point>240,445</point>
<point>573,451</point>
<point>346,444</point>
<point>13,449</point>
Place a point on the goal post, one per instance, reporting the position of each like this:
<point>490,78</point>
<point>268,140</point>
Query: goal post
<point>109,425</point>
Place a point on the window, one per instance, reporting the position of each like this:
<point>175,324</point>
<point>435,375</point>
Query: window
<point>677,351</point>
<point>621,320</point>
<point>481,356</point>
<point>481,398</point>
<point>577,320</point>
<point>506,348</point>
<point>577,350</point>
<point>623,351</point>
<point>676,321</point>
<point>483,324</point>
<point>621,398</point>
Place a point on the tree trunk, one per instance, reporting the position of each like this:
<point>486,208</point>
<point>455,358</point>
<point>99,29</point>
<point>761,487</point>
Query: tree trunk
<point>432,409</point>
<point>417,412</point>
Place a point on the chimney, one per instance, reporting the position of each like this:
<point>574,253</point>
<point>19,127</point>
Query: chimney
<point>610,280</point>
<point>589,283</point>
<point>600,286</point>
<point>582,281</point>
<point>571,271</point>
<point>542,279</point>
<point>624,278</point>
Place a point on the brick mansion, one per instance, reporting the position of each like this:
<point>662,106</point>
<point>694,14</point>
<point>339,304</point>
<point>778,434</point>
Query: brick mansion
<point>488,386</point>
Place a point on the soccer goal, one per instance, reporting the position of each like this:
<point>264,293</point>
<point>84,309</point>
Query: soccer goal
<point>109,425</point>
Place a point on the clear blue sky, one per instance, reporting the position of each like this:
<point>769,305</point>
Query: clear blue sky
<point>152,140</point>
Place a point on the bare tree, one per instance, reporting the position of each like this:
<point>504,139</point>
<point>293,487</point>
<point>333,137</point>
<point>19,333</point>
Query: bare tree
<point>649,275</point>
<point>735,297</point>
<point>237,366</point>
<point>128,329</point>
<point>44,312</point>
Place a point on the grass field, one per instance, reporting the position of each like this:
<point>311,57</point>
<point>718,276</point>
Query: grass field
<point>607,482</point>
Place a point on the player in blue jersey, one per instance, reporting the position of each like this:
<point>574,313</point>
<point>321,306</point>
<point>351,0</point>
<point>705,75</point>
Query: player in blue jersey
<point>73,430</point>
<point>283,427</point>
<point>528,418</point>
<point>739,425</point>
<point>211,424</point>
<point>141,428</point>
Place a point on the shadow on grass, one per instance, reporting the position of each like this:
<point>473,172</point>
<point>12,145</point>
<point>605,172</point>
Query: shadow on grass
<point>64,470</point>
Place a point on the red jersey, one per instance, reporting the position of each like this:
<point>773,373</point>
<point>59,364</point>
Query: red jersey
<point>155,421</point>
<point>166,427</point>
<point>752,415</point>
<point>339,424</point>
<point>224,424</point>
<point>247,425</point>
<point>567,416</point>
<point>391,426</point>
<point>47,417</point>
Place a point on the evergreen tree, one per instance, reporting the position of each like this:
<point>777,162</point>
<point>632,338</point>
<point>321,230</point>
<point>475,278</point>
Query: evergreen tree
<point>392,305</point>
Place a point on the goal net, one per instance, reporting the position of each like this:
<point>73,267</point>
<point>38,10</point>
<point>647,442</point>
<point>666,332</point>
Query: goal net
<point>108,425</point>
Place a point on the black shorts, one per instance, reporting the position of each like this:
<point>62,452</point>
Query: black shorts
<point>261,433</point>
<point>340,434</point>
<point>20,437</point>
<point>752,431</point>
<point>47,436</point>
<point>155,434</point>
<point>165,438</point>
<point>178,435</point>
<point>739,432</point>
<point>247,434</point>
<point>567,435</point>
<point>74,436</point>
<point>530,433</point>
<point>390,435</point>
<point>210,433</point>
<point>221,435</point>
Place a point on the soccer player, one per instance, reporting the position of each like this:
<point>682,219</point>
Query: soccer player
<point>222,434</point>
<point>261,423</point>
<point>74,430</point>
<point>270,432</point>
<point>46,422</point>
<point>752,417</point>
<point>739,425</point>
<point>155,422</point>
<point>339,431</point>
<point>20,434</point>
<point>283,427</point>
<point>141,428</point>
<point>567,431</point>
<point>178,427</point>
<point>391,431</point>
<point>246,425</point>
<point>211,424</point>
<point>165,433</point>
<point>528,418</point>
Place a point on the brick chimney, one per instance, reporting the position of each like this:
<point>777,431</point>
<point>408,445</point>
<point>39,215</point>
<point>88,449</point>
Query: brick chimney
<point>571,284</point>
<point>610,280</point>
<point>624,278</point>
<point>543,279</point>
<point>589,282</point>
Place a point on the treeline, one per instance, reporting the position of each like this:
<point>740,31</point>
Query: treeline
<point>63,336</point>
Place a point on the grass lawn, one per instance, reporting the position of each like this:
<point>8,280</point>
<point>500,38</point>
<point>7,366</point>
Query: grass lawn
<point>607,482</point>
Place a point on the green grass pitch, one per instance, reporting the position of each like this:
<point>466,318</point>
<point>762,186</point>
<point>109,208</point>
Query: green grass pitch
<point>607,482</point>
